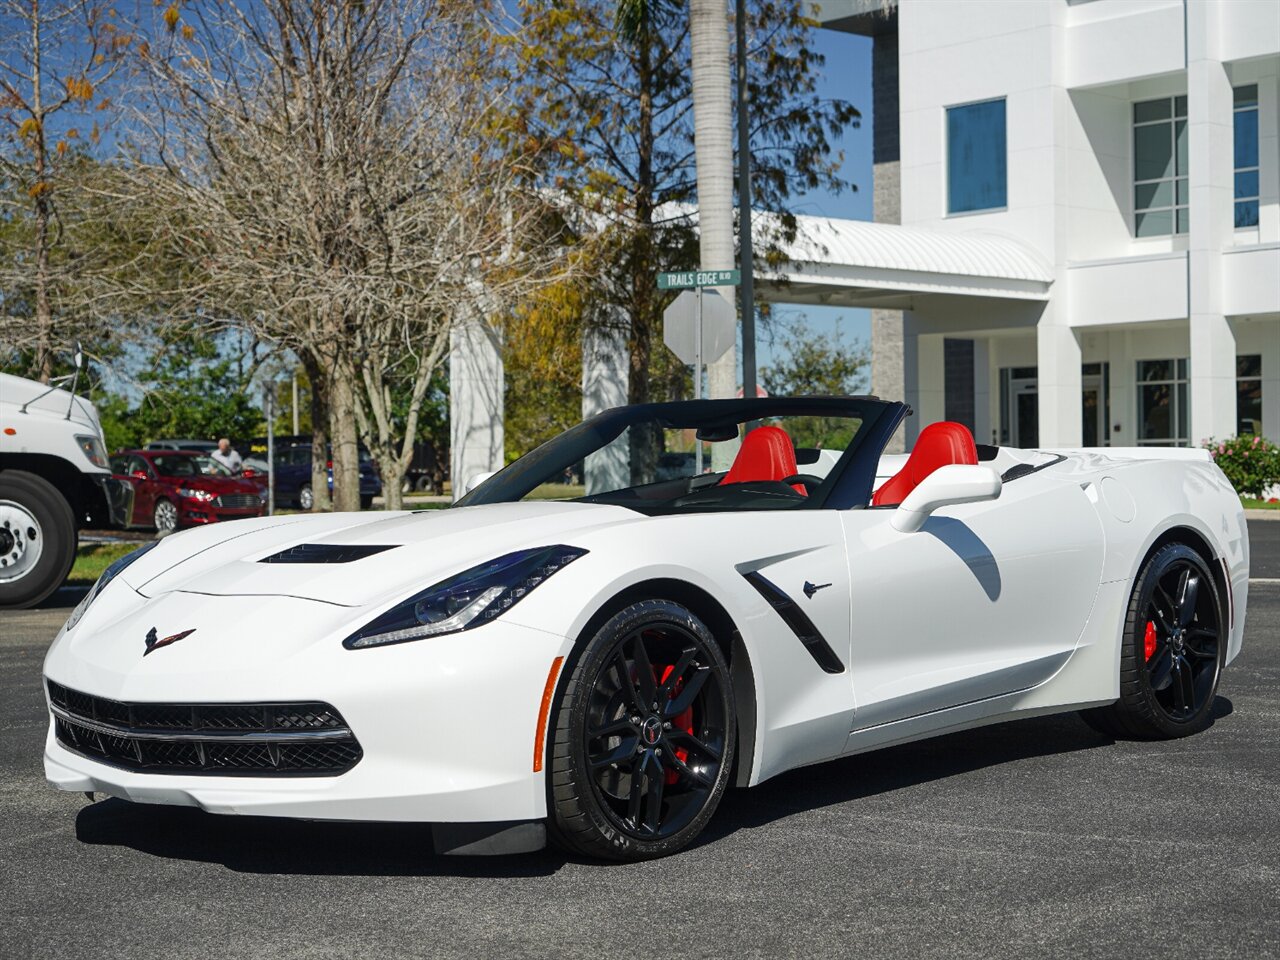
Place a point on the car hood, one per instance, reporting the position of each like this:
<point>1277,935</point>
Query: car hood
<point>420,549</point>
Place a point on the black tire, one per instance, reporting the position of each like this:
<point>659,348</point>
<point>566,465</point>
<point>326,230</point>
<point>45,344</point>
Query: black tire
<point>659,773</point>
<point>1172,652</point>
<point>366,501</point>
<point>55,528</point>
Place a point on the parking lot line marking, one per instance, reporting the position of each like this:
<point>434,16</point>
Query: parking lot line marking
<point>1264,579</point>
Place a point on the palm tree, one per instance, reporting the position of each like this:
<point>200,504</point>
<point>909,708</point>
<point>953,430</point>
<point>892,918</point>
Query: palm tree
<point>713,143</point>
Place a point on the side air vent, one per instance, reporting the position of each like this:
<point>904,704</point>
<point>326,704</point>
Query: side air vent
<point>798,621</point>
<point>325,553</point>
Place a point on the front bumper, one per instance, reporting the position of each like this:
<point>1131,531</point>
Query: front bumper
<point>447,725</point>
<point>196,512</point>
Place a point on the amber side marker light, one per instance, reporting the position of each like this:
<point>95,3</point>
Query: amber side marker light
<point>548,691</point>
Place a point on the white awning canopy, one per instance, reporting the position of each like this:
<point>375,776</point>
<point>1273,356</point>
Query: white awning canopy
<point>858,263</point>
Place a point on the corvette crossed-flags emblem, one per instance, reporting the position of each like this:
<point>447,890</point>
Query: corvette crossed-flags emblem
<point>155,644</point>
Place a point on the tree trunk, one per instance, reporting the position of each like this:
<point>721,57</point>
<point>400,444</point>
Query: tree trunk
<point>713,143</point>
<point>319,434</point>
<point>345,440</point>
<point>44,312</point>
<point>392,482</point>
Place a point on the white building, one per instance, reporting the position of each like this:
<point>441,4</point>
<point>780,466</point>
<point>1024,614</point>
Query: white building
<point>1077,236</point>
<point>1088,204</point>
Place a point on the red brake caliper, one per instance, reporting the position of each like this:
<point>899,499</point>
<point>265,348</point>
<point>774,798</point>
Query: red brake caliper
<point>1149,640</point>
<point>683,721</point>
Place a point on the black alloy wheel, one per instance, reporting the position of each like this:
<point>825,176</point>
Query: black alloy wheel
<point>644,737</point>
<point>1174,647</point>
<point>1180,641</point>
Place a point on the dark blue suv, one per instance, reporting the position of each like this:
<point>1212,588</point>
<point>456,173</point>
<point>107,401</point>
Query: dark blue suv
<point>293,471</point>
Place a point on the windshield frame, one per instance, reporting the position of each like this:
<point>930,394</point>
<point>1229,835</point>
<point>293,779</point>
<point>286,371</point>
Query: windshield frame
<point>851,478</point>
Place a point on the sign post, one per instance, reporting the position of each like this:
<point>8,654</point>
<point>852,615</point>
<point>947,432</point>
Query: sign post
<point>708,318</point>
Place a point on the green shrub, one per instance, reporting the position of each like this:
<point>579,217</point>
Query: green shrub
<point>1251,463</point>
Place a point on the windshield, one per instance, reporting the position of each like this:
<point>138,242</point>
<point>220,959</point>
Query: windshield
<point>188,466</point>
<point>782,453</point>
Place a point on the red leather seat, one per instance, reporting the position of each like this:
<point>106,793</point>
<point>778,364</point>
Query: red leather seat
<point>766,454</point>
<point>939,445</point>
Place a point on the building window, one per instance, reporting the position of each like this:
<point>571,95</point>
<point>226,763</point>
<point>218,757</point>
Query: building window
<point>976,157</point>
<point>1160,195</point>
<point>1248,395</point>
<point>1162,403</point>
<point>1246,143</point>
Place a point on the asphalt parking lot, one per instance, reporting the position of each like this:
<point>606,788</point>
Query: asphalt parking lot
<point>1029,839</point>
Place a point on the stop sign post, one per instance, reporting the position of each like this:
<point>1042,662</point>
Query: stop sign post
<point>699,327</point>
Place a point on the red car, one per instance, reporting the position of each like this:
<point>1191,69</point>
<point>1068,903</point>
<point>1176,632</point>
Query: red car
<point>180,488</point>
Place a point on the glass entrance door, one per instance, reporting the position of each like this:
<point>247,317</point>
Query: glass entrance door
<point>1026,414</point>
<point>1095,406</point>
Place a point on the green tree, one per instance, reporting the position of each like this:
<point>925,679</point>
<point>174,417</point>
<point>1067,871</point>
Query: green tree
<point>191,388</point>
<point>613,98</point>
<point>814,365</point>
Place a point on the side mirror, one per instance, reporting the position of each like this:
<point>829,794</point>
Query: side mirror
<point>476,479</point>
<point>956,483</point>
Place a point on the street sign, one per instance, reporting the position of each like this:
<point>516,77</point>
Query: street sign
<point>690,279</point>
<point>680,326</point>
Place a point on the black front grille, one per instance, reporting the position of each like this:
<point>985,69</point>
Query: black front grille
<point>225,739</point>
<point>238,501</point>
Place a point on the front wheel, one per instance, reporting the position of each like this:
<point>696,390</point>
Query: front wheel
<point>1173,649</point>
<point>644,736</point>
<point>165,516</point>
<point>305,500</point>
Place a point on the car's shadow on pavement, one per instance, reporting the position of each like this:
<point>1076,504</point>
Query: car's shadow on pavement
<point>894,768</point>
<point>276,846</point>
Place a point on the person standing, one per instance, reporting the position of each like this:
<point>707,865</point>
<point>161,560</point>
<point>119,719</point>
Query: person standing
<point>227,456</point>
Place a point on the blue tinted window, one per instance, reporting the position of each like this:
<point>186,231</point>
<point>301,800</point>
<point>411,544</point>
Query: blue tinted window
<point>1246,138</point>
<point>977,171</point>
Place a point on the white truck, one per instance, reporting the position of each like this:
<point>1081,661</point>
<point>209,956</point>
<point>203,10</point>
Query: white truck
<point>54,480</point>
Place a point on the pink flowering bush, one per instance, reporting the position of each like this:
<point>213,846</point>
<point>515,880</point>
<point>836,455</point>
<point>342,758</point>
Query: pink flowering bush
<point>1251,463</point>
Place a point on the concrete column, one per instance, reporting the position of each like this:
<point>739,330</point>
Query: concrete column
<point>1059,384</point>
<point>910,381</point>
<point>887,355</point>
<point>932,381</point>
<point>982,390</point>
<point>1211,168</point>
<point>605,364</point>
<point>475,401</point>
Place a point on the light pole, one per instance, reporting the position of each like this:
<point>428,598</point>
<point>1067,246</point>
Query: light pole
<point>744,210</point>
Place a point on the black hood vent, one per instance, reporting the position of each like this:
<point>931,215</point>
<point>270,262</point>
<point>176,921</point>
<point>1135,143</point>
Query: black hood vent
<point>325,553</point>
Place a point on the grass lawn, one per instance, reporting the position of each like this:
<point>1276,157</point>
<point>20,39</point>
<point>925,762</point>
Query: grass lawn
<point>1250,504</point>
<point>93,558</point>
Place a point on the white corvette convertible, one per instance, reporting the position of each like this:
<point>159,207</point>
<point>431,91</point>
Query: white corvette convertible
<point>601,668</point>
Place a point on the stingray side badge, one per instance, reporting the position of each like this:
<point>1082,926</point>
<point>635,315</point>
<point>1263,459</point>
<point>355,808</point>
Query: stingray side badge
<point>155,644</point>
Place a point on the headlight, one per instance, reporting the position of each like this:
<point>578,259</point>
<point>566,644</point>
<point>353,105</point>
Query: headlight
<point>93,450</point>
<point>191,493</point>
<point>108,575</point>
<point>472,598</point>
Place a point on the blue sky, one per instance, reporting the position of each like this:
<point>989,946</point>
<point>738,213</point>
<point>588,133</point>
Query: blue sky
<point>847,74</point>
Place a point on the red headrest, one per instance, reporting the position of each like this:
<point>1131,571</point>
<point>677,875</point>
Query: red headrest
<point>939,445</point>
<point>766,454</point>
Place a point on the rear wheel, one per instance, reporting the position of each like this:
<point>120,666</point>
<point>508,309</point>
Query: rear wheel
<point>1172,653</point>
<point>644,736</point>
<point>37,539</point>
<point>305,500</point>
